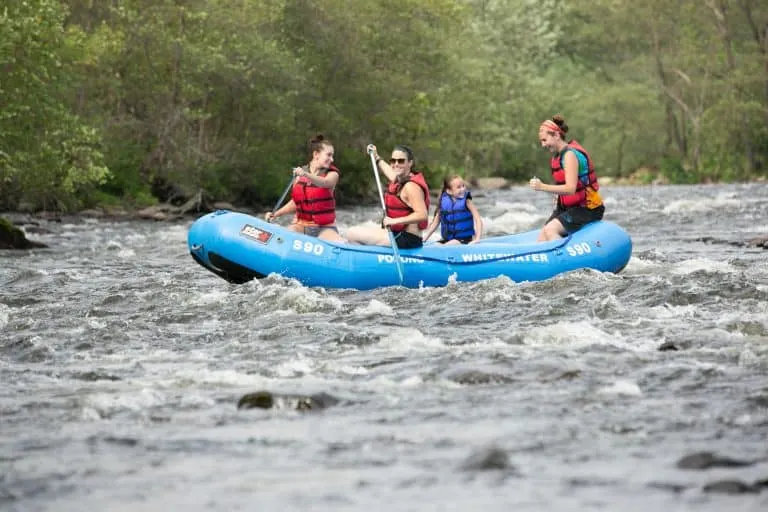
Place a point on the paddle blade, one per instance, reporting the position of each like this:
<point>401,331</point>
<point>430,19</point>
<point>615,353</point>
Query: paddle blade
<point>396,254</point>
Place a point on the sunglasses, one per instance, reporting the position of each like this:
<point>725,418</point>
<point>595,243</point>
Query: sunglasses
<point>397,160</point>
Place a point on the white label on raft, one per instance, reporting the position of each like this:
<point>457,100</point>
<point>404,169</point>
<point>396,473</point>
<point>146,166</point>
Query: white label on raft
<point>579,249</point>
<point>537,258</point>
<point>308,247</point>
<point>391,259</point>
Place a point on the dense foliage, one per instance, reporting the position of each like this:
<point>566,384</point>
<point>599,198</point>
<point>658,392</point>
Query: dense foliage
<point>112,101</point>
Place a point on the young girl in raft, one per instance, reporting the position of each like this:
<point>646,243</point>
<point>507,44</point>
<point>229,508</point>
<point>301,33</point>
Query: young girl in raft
<point>459,220</point>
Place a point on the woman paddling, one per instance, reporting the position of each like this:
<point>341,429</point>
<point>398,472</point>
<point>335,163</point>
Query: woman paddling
<point>406,201</point>
<point>312,199</point>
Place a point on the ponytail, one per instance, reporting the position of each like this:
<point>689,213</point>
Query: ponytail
<point>317,143</point>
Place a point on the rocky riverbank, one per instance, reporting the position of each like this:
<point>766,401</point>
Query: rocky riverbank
<point>12,237</point>
<point>15,226</point>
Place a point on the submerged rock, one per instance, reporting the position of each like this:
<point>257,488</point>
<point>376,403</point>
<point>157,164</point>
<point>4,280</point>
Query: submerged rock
<point>565,375</point>
<point>269,400</point>
<point>761,241</point>
<point>12,237</point>
<point>257,400</point>
<point>667,346</point>
<point>488,459</point>
<point>706,460</point>
<point>471,376</point>
<point>730,487</point>
<point>669,486</point>
<point>757,242</point>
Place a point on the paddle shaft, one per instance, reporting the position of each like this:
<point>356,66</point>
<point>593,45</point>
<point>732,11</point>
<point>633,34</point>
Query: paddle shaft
<point>282,197</point>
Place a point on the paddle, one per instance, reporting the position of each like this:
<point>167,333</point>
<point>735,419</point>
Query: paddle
<point>395,251</point>
<point>282,198</point>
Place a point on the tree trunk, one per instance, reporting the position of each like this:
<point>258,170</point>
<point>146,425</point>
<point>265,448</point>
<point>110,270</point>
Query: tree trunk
<point>761,38</point>
<point>674,135</point>
<point>720,10</point>
<point>620,152</point>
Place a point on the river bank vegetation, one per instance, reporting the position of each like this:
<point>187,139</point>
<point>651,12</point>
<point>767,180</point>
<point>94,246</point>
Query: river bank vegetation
<point>131,102</point>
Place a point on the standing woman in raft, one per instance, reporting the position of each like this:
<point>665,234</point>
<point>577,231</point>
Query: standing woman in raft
<point>312,198</point>
<point>577,201</point>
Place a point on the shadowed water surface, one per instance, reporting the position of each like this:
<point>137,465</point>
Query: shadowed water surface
<point>122,362</point>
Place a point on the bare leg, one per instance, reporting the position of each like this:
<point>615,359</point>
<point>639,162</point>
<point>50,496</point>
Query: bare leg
<point>330,234</point>
<point>552,230</point>
<point>452,242</point>
<point>298,228</point>
<point>368,235</point>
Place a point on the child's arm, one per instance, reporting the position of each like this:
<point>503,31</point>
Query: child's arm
<point>476,220</point>
<point>432,225</point>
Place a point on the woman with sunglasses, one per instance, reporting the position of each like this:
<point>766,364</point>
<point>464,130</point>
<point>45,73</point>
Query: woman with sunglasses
<point>312,200</point>
<point>577,201</point>
<point>406,201</point>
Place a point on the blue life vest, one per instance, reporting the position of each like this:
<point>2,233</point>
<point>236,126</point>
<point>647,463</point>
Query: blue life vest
<point>455,218</point>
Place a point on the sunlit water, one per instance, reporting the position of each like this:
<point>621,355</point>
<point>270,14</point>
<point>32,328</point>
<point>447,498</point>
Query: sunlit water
<point>122,361</point>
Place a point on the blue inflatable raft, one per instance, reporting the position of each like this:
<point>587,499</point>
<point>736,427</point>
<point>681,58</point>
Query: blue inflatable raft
<point>240,247</point>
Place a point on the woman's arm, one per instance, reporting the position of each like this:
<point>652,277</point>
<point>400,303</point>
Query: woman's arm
<point>432,225</point>
<point>571,178</point>
<point>381,164</point>
<point>330,180</point>
<point>413,196</point>
<point>289,207</point>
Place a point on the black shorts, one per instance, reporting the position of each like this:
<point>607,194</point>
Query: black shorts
<point>316,230</point>
<point>575,218</point>
<point>406,240</point>
<point>464,241</point>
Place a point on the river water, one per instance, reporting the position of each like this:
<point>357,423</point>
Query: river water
<point>122,362</point>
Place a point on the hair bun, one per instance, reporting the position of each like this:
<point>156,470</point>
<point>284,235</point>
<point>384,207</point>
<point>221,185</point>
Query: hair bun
<point>560,121</point>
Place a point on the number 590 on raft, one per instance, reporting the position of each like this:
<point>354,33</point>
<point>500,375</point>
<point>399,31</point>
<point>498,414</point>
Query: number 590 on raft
<point>308,247</point>
<point>579,249</point>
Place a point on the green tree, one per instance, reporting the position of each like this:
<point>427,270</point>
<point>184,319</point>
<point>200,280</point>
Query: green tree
<point>47,155</point>
<point>705,60</point>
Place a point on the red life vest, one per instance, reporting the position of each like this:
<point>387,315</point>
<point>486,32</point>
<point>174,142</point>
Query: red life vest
<point>314,204</point>
<point>588,179</point>
<point>396,207</point>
